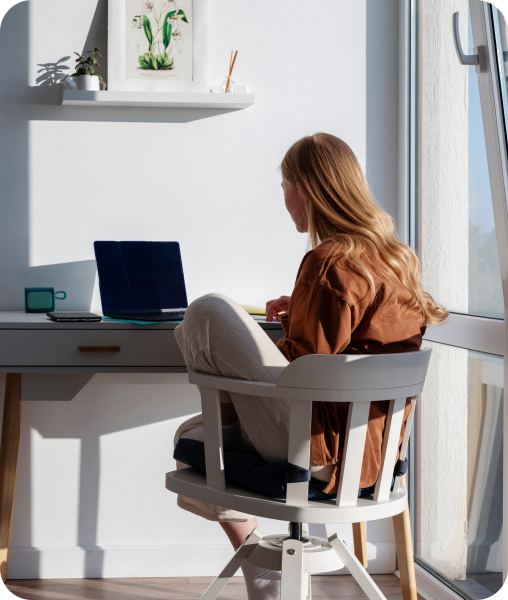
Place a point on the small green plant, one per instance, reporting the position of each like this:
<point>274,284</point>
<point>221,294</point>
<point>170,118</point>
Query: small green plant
<point>157,59</point>
<point>86,65</point>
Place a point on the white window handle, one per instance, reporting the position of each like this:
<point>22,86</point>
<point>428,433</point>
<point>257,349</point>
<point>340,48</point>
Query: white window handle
<point>477,59</point>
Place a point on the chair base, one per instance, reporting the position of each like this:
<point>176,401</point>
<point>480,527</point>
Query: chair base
<point>318,555</point>
<point>297,560</point>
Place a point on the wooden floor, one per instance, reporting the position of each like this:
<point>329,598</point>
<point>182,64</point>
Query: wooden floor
<point>182,588</point>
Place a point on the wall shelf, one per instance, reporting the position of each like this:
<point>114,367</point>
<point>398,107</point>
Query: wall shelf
<point>157,99</point>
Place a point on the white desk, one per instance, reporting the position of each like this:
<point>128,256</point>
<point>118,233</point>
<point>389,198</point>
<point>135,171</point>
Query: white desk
<point>45,360</point>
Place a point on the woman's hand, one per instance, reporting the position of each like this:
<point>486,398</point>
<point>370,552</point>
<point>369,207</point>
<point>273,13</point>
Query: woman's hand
<point>277,308</point>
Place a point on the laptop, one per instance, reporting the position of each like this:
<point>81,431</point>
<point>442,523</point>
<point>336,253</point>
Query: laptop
<point>141,281</point>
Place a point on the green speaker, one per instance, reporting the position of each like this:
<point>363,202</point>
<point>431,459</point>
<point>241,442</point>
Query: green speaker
<point>41,299</point>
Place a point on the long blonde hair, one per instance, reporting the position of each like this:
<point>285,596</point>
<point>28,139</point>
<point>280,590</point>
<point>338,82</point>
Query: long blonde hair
<point>340,207</point>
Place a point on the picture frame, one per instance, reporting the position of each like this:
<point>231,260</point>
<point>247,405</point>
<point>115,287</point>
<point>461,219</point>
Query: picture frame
<point>139,56</point>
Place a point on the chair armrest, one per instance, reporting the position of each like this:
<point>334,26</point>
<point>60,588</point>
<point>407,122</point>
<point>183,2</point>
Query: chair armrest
<point>241,386</point>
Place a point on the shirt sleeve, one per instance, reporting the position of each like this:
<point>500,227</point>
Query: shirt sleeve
<point>318,322</point>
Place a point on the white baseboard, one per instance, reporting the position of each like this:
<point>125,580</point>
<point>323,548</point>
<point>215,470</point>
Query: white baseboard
<point>381,556</point>
<point>147,561</point>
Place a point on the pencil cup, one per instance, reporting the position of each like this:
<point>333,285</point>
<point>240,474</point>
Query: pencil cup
<point>225,89</point>
<point>41,299</point>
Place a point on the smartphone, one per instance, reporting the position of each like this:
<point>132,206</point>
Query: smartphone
<point>72,317</point>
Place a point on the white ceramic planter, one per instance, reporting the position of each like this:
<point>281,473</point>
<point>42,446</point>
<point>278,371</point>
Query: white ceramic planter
<point>83,82</point>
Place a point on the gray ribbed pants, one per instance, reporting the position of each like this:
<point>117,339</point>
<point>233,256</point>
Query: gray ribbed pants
<point>217,336</point>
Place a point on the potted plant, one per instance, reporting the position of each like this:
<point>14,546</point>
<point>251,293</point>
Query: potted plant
<point>85,77</point>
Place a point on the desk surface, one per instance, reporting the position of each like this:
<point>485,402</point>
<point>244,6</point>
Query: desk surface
<point>22,320</point>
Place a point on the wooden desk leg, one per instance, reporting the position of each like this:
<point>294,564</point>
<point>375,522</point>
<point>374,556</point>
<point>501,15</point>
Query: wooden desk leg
<point>360,543</point>
<point>11,429</point>
<point>404,544</point>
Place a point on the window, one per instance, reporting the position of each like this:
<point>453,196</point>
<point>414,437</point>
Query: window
<point>459,227</point>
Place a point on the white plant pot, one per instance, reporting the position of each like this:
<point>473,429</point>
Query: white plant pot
<point>84,82</point>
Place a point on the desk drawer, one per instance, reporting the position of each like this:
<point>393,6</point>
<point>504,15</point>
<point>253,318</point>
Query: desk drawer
<point>117,348</point>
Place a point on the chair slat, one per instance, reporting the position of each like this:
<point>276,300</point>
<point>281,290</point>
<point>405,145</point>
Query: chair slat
<point>212,425</point>
<point>299,448</point>
<point>352,457</point>
<point>389,450</point>
<point>405,441</point>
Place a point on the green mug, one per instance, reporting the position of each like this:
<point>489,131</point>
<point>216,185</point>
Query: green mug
<point>41,299</point>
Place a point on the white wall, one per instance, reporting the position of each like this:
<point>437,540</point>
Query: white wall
<point>90,497</point>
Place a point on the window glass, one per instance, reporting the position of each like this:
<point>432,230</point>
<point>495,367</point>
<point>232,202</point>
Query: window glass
<point>485,291</point>
<point>458,241</point>
<point>458,529</point>
<point>500,33</point>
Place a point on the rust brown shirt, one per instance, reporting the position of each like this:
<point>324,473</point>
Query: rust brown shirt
<point>331,312</point>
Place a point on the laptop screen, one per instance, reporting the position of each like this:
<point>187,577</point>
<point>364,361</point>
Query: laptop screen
<point>140,276</point>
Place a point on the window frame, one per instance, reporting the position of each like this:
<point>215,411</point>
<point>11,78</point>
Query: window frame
<point>483,334</point>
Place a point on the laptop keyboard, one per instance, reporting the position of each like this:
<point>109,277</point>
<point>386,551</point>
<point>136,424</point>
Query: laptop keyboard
<point>158,316</point>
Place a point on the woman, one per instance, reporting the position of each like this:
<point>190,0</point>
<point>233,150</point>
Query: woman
<point>357,291</point>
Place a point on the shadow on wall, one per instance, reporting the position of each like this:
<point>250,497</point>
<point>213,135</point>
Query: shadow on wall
<point>77,278</point>
<point>52,73</point>
<point>90,422</point>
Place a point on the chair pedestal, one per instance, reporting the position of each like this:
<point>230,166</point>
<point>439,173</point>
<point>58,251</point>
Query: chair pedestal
<point>318,556</point>
<point>297,561</point>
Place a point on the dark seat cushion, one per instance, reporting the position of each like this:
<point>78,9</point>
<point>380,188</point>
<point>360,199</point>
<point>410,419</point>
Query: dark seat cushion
<point>255,474</point>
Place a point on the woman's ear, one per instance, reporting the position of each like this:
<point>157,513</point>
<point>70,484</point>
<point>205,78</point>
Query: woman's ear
<point>304,199</point>
<point>302,196</point>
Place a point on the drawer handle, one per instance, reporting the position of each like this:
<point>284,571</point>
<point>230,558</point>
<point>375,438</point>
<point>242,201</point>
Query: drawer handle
<point>99,348</point>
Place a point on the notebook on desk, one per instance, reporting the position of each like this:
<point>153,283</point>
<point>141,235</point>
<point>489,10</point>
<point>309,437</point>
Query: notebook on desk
<point>141,281</point>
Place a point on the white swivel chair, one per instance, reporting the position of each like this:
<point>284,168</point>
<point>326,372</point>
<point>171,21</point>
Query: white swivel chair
<point>357,379</point>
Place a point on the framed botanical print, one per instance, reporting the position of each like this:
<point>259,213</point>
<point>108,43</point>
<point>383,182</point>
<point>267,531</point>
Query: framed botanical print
<point>158,45</point>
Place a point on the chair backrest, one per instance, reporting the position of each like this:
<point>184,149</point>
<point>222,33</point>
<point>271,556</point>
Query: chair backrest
<point>357,379</point>
<point>356,371</point>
